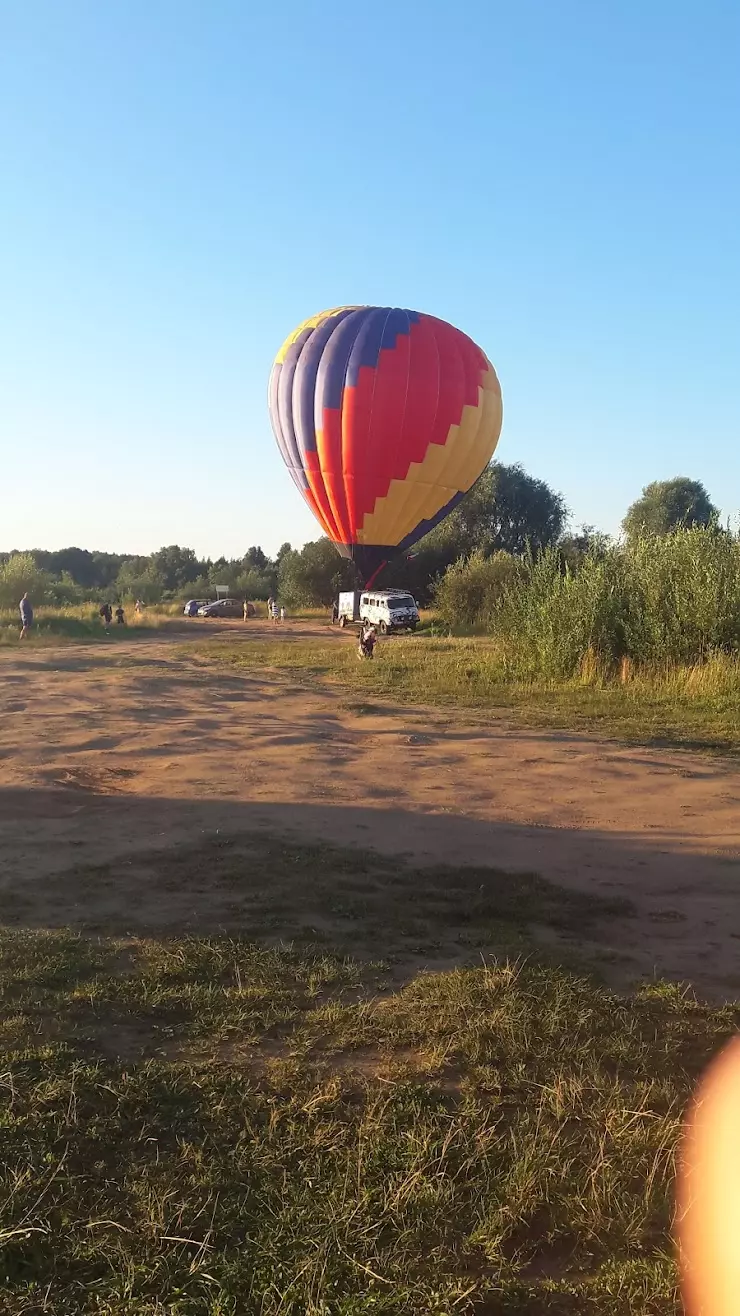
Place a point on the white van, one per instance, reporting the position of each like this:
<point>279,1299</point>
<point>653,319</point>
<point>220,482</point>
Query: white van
<point>388,609</point>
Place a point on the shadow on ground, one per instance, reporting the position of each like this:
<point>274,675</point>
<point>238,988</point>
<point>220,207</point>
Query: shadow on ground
<point>417,890</point>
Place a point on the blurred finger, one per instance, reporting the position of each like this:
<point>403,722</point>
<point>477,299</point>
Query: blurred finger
<point>709,1192</point>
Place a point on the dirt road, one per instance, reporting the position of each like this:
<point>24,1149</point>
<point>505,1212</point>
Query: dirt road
<point>109,751</point>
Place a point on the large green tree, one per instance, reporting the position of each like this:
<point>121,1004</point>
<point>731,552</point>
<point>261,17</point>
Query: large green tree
<point>315,575</point>
<point>507,511</point>
<point>255,559</point>
<point>176,566</point>
<point>583,543</point>
<point>138,579</point>
<point>91,570</point>
<point>667,504</point>
<point>19,575</point>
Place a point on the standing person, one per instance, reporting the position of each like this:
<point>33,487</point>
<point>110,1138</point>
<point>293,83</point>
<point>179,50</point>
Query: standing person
<point>274,610</point>
<point>106,614</point>
<point>138,607</point>
<point>246,609</point>
<point>120,615</point>
<point>270,606</point>
<point>282,613</point>
<point>26,612</point>
<point>334,613</point>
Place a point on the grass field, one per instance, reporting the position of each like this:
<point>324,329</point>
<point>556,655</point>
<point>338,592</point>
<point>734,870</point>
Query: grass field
<point>277,1125</point>
<point>375,1088</point>
<point>695,706</point>
<point>81,622</point>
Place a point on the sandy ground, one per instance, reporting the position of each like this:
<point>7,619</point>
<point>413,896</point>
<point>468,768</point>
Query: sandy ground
<point>108,751</point>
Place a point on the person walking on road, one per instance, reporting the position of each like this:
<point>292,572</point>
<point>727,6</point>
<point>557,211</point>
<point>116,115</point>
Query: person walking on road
<point>26,612</point>
<point>106,614</point>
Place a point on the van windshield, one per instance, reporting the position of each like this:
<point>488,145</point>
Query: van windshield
<point>402,601</point>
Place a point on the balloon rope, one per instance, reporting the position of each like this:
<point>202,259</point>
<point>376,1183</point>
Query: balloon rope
<point>371,581</point>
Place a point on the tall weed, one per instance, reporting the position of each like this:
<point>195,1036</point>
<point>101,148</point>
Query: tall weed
<point>659,600</point>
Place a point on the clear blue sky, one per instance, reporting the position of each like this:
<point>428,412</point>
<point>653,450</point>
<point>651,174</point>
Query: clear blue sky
<point>182,181</point>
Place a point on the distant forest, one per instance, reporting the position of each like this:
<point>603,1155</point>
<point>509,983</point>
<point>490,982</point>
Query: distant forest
<point>507,511</point>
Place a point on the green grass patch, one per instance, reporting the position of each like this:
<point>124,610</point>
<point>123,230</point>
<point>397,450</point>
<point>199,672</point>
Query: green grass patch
<point>214,1124</point>
<point>697,706</point>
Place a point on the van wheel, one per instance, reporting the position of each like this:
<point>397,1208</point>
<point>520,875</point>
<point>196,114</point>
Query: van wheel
<point>343,621</point>
<point>383,628</point>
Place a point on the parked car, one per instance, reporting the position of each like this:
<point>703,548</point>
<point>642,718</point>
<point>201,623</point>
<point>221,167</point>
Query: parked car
<point>192,606</point>
<point>222,608</point>
<point>388,609</point>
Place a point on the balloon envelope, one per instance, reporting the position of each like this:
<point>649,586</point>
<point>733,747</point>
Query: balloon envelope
<point>385,419</point>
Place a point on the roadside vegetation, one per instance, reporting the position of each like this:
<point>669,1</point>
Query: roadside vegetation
<point>655,601</point>
<point>266,1123</point>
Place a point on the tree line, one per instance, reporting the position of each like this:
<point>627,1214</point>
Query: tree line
<point>508,511</point>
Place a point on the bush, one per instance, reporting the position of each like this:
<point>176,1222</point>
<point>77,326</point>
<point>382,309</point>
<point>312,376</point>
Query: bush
<point>470,592</point>
<point>553,619</point>
<point>20,575</point>
<point>656,600</point>
<point>256,584</point>
<point>314,576</point>
<point>65,592</point>
<point>134,584</point>
<point>689,585</point>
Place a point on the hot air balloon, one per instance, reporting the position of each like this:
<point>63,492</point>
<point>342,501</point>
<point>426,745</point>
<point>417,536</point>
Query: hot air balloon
<point>385,419</point>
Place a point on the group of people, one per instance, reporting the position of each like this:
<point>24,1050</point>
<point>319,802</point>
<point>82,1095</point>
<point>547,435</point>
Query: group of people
<point>106,614</point>
<point>275,611</point>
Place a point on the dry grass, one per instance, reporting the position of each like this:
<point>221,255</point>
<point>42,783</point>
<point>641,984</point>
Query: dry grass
<point>697,705</point>
<point>81,622</point>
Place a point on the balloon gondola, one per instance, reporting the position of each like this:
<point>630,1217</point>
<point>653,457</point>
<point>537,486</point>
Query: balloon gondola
<point>385,419</point>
